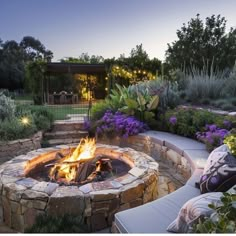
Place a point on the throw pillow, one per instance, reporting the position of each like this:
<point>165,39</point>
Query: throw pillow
<point>192,210</point>
<point>219,174</point>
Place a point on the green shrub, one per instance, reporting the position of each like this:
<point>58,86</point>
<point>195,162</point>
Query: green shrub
<point>42,122</point>
<point>7,107</point>
<point>63,224</point>
<point>227,107</point>
<point>222,220</point>
<point>14,129</point>
<point>230,88</point>
<point>205,101</point>
<point>42,111</point>
<point>219,103</point>
<point>5,92</point>
<point>233,101</point>
<point>99,109</point>
<point>42,117</point>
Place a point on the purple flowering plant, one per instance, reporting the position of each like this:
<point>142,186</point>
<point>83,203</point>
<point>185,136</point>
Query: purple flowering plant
<point>119,124</point>
<point>173,120</point>
<point>213,136</point>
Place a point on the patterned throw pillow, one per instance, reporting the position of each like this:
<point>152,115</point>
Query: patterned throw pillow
<point>219,174</point>
<point>192,210</point>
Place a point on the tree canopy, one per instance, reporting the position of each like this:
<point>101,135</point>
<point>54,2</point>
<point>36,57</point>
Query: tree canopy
<point>203,45</point>
<point>15,56</point>
<point>137,67</point>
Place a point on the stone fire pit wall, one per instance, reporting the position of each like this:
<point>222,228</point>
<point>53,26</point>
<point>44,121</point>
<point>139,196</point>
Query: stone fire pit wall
<point>22,199</point>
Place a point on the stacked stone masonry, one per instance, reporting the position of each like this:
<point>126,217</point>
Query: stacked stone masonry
<point>174,168</point>
<point>22,198</point>
<point>21,146</point>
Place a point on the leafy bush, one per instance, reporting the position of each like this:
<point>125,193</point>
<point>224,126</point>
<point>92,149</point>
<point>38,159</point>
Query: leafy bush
<point>98,110</point>
<point>233,101</point>
<point>62,224</point>
<point>222,220</point>
<point>24,122</point>
<point>43,118</point>
<point>42,122</point>
<point>7,107</point>
<point>227,107</point>
<point>118,124</point>
<point>188,122</point>
<point>205,101</point>
<point>230,87</point>
<point>219,102</point>
<point>14,129</point>
<point>5,92</point>
<point>42,111</point>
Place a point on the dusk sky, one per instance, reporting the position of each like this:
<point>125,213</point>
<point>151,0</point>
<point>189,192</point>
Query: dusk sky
<point>105,27</point>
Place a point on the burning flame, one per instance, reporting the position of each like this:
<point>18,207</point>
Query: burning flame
<point>67,168</point>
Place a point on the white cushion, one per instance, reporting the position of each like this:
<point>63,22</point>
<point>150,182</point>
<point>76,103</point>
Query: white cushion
<point>193,210</point>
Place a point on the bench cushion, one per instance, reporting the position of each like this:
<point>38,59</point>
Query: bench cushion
<point>192,210</point>
<point>155,217</point>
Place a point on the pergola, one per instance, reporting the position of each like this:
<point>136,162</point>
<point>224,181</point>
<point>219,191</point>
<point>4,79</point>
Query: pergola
<point>57,68</point>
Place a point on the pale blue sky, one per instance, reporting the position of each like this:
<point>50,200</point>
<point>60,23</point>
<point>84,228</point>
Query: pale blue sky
<point>105,27</point>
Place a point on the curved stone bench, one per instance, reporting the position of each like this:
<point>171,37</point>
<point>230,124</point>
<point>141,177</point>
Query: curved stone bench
<point>185,156</point>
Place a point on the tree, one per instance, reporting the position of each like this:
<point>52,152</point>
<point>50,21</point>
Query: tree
<point>137,67</point>
<point>34,49</point>
<point>34,79</point>
<point>11,65</point>
<point>203,45</point>
<point>15,56</point>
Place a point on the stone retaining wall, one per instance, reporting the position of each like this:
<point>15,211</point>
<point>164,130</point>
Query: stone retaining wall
<point>20,146</point>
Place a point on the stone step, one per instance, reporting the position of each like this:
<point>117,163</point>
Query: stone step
<point>66,134</point>
<point>68,125</point>
<point>54,142</point>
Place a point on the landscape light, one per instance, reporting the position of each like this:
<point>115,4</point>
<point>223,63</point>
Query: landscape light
<point>25,120</point>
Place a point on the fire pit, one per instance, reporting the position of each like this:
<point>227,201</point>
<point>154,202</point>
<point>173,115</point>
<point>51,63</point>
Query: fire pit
<point>63,180</point>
